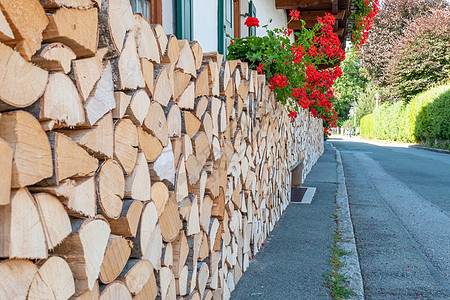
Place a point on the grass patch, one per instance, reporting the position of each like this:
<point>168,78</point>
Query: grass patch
<point>336,281</point>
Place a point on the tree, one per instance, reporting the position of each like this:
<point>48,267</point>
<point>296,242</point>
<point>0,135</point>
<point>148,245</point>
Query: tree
<point>349,86</point>
<point>421,57</point>
<point>388,27</point>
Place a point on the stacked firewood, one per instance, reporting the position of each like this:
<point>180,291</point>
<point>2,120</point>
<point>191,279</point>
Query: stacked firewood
<point>133,165</point>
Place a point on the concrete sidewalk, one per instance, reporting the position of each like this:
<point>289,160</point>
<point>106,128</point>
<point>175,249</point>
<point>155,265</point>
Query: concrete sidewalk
<point>295,257</point>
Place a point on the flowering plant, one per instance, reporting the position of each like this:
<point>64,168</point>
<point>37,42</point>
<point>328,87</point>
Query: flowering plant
<point>362,19</point>
<point>295,67</point>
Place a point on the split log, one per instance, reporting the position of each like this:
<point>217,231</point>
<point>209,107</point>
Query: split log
<point>53,280</point>
<point>55,57</point>
<point>205,212</point>
<point>172,51</point>
<point>181,184</point>
<point>17,275</point>
<point>125,144</point>
<point>160,36</point>
<point>135,274</point>
<point>61,104</point>
<point>163,169</point>
<point>147,225</point>
<point>6,34</point>
<point>138,183</point>
<point>186,100</point>
<point>87,71</point>
<point>150,145</point>
<point>169,220</point>
<point>127,223</point>
<point>28,21</point>
<point>186,61</point>
<point>160,196</point>
<point>32,158</point>
<point>148,70</point>
<point>218,207</point>
<point>76,28</point>
<point>207,126</point>
<point>102,99</point>
<point>180,253</point>
<point>193,224</point>
<point>53,4</point>
<point>182,281</point>
<point>167,284</point>
<point>202,278</point>
<point>200,106</point>
<point>98,140</point>
<point>153,249</point>
<point>78,195</point>
<point>110,186</point>
<point>6,160</point>
<point>181,81</point>
<point>156,123</point>
<point>127,70</point>
<point>193,169</point>
<point>146,42</point>
<point>122,102</point>
<point>22,83</point>
<point>201,147</point>
<point>190,124</point>
<point>202,82</point>
<point>163,89</point>
<point>54,219</point>
<point>117,252</point>
<point>138,108</point>
<point>149,291</point>
<point>173,115</point>
<point>115,290</point>
<point>22,234</point>
<point>203,252</point>
<point>69,159</point>
<point>167,255</point>
<point>114,19</point>
<point>90,238</point>
<point>198,53</point>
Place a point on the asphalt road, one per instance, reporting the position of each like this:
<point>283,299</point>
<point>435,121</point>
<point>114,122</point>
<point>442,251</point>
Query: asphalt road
<point>400,207</point>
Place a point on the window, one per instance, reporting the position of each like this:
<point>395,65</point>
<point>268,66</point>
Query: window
<point>184,19</point>
<point>149,9</point>
<point>226,31</point>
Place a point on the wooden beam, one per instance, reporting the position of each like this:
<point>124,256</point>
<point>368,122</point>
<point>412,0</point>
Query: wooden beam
<point>156,12</point>
<point>334,6</point>
<point>294,4</point>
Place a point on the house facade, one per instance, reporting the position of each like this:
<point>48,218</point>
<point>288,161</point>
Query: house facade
<point>210,22</point>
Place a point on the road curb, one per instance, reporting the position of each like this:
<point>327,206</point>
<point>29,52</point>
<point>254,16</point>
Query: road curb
<point>430,149</point>
<point>351,268</point>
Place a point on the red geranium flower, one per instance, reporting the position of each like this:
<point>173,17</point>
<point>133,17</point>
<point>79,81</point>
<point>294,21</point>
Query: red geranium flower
<point>278,81</point>
<point>260,68</point>
<point>252,22</point>
<point>294,14</point>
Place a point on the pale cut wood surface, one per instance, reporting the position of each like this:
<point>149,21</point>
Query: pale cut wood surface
<point>129,67</point>
<point>98,140</point>
<point>32,158</point>
<point>115,290</point>
<point>28,21</point>
<point>53,280</point>
<point>127,223</point>
<point>138,108</point>
<point>138,183</point>
<point>160,36</point>
<point>174,121</point>
<point>181,184</point>
<point>162,88</point>
<point>149,144</point>
<point>160,196</point>
<point>52,4</point>
<point>61,103</point>
<point>6,33</point>
<point>110,183</point>
<point>117,254</point>
<point>181,81</point>
<point>156,123</point>
<point>122,102</point>
<point>169,220</point>
<point>147,44</point>
<point>55,57</point>
<point>186,61</point>
<point>5,177</point>
<point>115,19</point>
<point>93,294</point>
<point>172,52</point>
<point>22,83</point>
<point>135,274</point>
<point>69,159</point>
<point>87,71</point>
<point>186,100</point>
<point>76,28</point>
<point>149,291</point>
<point>22,233</point>
<point>54,219</point>
<point>148,71</point>
<point>125,144</point>
<point>90,237</point>
<point>17,275</point>
<point>147,225</point>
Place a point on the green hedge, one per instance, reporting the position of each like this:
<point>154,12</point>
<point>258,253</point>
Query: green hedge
<point>425,118</point>
<point>367,128</point>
